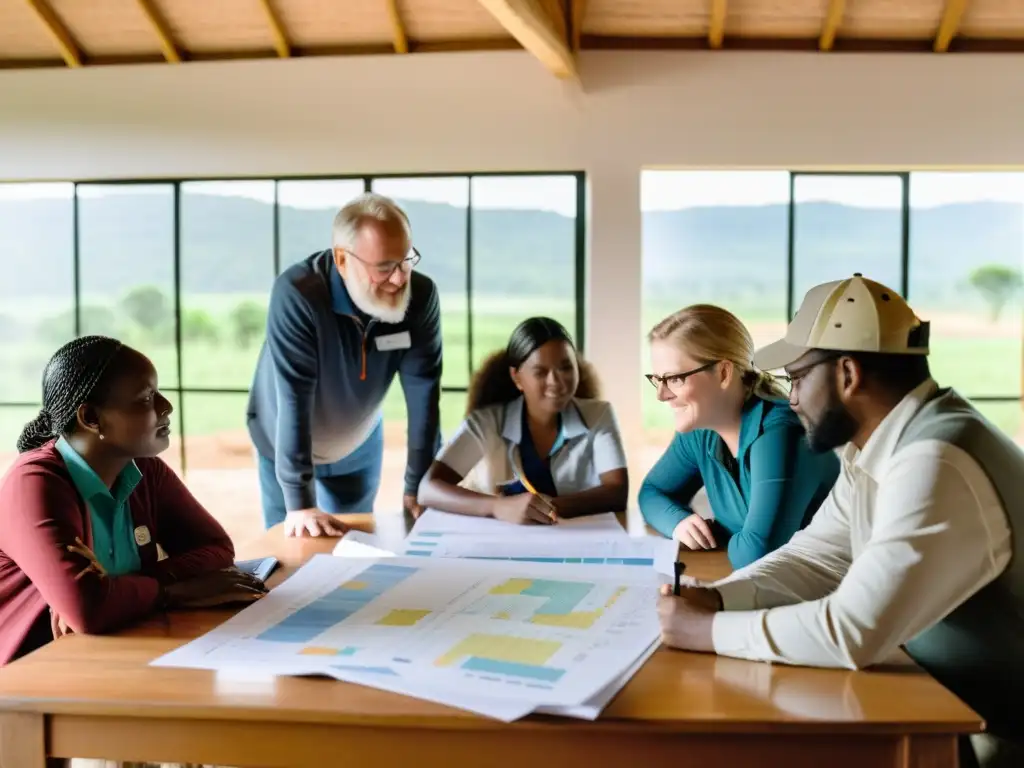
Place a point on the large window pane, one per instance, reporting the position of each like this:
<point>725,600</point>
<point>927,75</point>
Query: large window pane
<point>306,211</point>
<point>12,420</point>
<point>437,209</point>
<point>716,237</point>
<point>126,263</point>
<point>847,224</point>
<point>524,255</point>
<point>1006,416</point>
<point>453,410</point>
<point>227,268</point>
<point>37,312</point>
<point>221,462</point>
<point>966,257</point>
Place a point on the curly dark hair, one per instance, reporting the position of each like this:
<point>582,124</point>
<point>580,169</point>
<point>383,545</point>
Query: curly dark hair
<point>491,383</point>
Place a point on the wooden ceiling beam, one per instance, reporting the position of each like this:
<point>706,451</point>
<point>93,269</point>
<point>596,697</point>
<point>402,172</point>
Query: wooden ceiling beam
<point>401,40</point>
<point>69,49</point>
<point>716,30</point>
<point>578,11</point>
<point>949,25</point>
<point>163,33</point>
<point>281,45</point>
<point>833,19</point>
<point>534,28</point>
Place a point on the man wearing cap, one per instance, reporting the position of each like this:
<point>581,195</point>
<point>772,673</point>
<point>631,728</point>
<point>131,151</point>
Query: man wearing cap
<point>914,546</point>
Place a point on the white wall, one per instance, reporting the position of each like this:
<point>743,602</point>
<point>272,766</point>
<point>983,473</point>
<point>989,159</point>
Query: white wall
<point>501,111</point>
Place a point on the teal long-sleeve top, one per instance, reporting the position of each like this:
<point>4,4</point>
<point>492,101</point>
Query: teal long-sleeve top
<point>762,497</point>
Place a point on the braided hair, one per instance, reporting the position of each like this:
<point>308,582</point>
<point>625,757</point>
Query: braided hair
<point>69,379</point>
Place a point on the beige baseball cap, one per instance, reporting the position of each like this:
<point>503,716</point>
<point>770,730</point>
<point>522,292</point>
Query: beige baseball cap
<point>852,315</point>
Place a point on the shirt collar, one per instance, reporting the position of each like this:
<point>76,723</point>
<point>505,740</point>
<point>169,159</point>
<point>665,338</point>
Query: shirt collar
<point>572,423</point>
<point>750,422</point>
<point>88,482</point>
<point>882,444</point>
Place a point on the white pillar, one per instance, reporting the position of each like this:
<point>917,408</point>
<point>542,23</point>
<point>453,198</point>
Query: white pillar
<point>613,332</point>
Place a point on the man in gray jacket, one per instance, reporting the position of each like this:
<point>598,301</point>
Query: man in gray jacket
<point>341,324</point>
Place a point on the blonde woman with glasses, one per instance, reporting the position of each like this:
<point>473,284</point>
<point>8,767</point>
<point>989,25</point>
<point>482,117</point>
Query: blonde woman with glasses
<point>735,436</point>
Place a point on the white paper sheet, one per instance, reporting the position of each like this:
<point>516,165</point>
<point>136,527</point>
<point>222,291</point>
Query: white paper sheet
<point>360,544</point>
<point>469,632</point>
<point>585,547</point>
<point>445,522</point>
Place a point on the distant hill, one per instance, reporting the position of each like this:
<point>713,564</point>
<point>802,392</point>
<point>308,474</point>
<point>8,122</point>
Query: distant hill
<point>729,253</point>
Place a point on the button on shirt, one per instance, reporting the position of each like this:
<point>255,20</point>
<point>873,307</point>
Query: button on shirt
<point>487,450</point>
<point>906,535</point>
<point>113,531</point>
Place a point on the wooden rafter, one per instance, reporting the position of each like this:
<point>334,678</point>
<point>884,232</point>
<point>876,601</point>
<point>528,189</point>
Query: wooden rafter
<point>69,49</point>
<point>281,45</point>
<point>949,25</point>
<point>533,27</point>
<point>171,52</point>
<point>578,12</point>
<point>397,27</point>
<point>833,19</point>
<point>716,31</point>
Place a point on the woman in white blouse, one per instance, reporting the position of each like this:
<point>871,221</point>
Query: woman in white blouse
<point>537,445</point>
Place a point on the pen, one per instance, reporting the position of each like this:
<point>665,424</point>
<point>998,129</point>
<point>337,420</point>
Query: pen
<point>527,485</point>
<point>680,566</point>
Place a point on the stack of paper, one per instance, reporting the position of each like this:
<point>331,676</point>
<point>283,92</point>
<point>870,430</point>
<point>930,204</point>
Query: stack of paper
<point>502,638</point>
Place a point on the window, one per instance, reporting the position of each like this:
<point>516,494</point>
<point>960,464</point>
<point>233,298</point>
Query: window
<point>845,224</point>
<point>523,256</point>
<point>952,242</point>
<point>182,270</point>
<point>711,237</point>
<point>126,268</point>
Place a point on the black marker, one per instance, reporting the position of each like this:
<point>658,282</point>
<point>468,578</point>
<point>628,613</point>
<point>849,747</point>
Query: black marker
<point>680,566</point>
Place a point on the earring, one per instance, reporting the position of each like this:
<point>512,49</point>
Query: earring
<point>101,435</point>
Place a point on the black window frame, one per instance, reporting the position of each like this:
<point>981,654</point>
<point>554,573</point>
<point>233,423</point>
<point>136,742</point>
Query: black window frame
<point>579,263</point>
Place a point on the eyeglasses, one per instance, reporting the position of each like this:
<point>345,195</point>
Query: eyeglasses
<point>384,270</point>
<point>792,379</point>
<point>675,381</point>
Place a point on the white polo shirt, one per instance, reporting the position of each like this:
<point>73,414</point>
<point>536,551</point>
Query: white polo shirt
<point>485,448</point>
<point>906,536</point>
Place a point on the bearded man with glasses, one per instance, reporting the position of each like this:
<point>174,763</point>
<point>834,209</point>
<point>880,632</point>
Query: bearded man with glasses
<point>915,546</point>
<point>341,324</point>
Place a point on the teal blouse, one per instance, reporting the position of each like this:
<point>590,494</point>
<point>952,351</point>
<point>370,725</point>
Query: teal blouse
<point>113,530</point>
<point>762,497</point>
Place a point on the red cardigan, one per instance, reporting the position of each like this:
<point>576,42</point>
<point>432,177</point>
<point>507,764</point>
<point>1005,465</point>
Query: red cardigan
<point>41,512</point>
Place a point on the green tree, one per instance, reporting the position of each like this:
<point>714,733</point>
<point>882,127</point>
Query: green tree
<point>997,284</point>
<point>248,319</point>
<point>198,325</point>
<point>147,306</point>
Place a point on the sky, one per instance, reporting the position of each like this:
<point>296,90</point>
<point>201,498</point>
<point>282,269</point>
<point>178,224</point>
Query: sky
<point>660,190</point>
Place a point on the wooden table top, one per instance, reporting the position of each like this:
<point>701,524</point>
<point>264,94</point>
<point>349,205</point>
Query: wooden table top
<point>674,691</point>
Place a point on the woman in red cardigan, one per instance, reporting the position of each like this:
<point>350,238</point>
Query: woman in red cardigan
<point>85,505</point>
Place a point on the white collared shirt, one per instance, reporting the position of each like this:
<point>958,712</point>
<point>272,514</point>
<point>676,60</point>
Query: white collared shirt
<point>905,537</point>
<point>485,448</point>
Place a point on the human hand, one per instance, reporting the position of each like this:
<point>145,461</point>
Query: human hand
<point>58,626</point>
<point>228,585</point>
<point>687,618</point>
<point>524,509</point>
<point>313,522</point>
<point>694,533</point>
<point>412,506</point>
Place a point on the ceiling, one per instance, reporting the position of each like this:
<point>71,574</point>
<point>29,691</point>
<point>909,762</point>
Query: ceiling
<point>77,33</point>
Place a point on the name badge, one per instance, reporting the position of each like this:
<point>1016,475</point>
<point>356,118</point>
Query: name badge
<point>142,537</point>
<point>393,341</point>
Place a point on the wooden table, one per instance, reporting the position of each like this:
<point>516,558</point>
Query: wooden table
<point>88,696</point>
